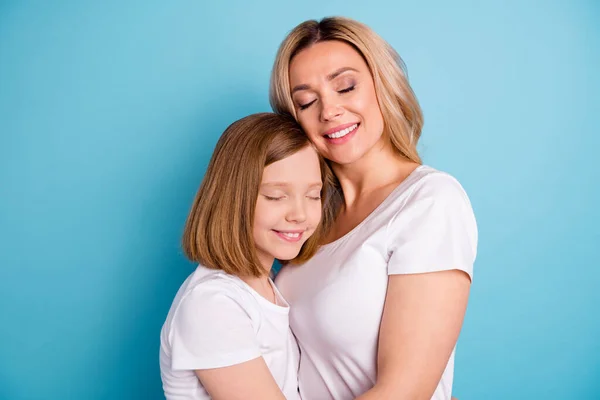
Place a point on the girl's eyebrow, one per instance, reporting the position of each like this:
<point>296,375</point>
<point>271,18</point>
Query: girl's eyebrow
<point>285,184</point>
<point>330,77</point>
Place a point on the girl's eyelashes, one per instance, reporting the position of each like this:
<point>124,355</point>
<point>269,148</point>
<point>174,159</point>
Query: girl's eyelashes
<point>279,198</point>
<point>314,195</point>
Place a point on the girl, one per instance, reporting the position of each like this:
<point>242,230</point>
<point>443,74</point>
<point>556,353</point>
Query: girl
<point>377,311</point>
<point>227,333</point>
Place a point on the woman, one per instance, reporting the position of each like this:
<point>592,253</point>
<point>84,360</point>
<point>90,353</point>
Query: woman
<point>378,310</point>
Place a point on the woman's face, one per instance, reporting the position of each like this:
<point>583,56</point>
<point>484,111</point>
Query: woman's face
<point>335,101</point>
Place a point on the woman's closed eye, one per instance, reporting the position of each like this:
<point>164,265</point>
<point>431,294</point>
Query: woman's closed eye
<point>348,89</point>
<point>342,91</point>
<point>273,198</point>
<point>306,105</point>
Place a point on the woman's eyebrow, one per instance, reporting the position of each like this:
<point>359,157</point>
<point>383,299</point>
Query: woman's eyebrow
<point>340,71</point>
<point>300,87</point>
<point>330,77</point>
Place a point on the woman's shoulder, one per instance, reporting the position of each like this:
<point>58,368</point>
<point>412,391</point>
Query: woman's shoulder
<point>430,183</point>
<point>431,198</point>
<point>434,229</point>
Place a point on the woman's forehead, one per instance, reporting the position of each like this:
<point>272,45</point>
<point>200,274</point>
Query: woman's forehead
<point>324,58</point>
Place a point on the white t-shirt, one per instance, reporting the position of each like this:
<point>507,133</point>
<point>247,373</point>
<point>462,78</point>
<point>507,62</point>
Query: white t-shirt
<point>217,320</point>
<point>426,224</point>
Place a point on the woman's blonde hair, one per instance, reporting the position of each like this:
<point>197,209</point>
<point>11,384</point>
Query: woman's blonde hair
<point>402,116</point>
<point>218,232</point>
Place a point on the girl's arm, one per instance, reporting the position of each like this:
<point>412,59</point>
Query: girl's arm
<point>246,381</point>
<point>212,334</point>
<point>421,321</point>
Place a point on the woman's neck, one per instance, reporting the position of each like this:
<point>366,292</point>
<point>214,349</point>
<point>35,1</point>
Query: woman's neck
<point>380,167</point>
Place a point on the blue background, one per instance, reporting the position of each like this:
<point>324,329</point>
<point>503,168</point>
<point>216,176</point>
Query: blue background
<point>109,112</point>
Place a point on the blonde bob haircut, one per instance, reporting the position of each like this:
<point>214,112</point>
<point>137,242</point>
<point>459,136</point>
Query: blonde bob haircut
<point>218,233</point>
<point>402,116</point>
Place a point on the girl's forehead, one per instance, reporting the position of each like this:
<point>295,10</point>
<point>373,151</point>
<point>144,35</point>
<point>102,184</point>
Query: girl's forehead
<point>301,167</point>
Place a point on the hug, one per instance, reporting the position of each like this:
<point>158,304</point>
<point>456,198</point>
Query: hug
<point>377,248</point>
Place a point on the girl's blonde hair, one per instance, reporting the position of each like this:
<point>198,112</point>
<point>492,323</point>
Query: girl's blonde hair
<point>218,232</point>
<point>402,116</point>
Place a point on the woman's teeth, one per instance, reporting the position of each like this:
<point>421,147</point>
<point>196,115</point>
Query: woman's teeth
<point>343,132</point>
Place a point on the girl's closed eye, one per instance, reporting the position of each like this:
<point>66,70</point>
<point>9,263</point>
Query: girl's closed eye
<point>314,195</point>
<point>273,198</point>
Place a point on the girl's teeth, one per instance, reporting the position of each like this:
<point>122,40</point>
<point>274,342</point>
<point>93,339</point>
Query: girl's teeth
<point>343,132</point>
<point>291,235</point>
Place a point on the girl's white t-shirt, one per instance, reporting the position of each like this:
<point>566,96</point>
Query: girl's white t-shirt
<point>426,224</point>
<point>217,320</point>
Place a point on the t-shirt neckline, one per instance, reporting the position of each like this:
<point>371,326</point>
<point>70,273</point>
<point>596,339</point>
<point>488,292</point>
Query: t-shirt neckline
<point>282,305</point>
<point>381,205</point>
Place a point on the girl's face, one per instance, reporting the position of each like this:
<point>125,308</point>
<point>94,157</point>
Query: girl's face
<point>335,100</point>
<point>288,209</point>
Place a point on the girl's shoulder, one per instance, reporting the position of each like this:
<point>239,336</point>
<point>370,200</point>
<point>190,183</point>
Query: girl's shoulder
<point>212,288</point>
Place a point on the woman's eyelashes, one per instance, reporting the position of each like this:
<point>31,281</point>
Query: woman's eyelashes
<point>341,91</point>
<point>305,106</point>
<point>348,89</point>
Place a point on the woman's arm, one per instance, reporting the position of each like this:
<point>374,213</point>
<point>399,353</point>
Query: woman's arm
<point>250,380</point>
<point>422,318</point>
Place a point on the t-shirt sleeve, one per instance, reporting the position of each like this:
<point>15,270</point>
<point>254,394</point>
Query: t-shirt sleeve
<point>212,328</point>
<point>435,229</point>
